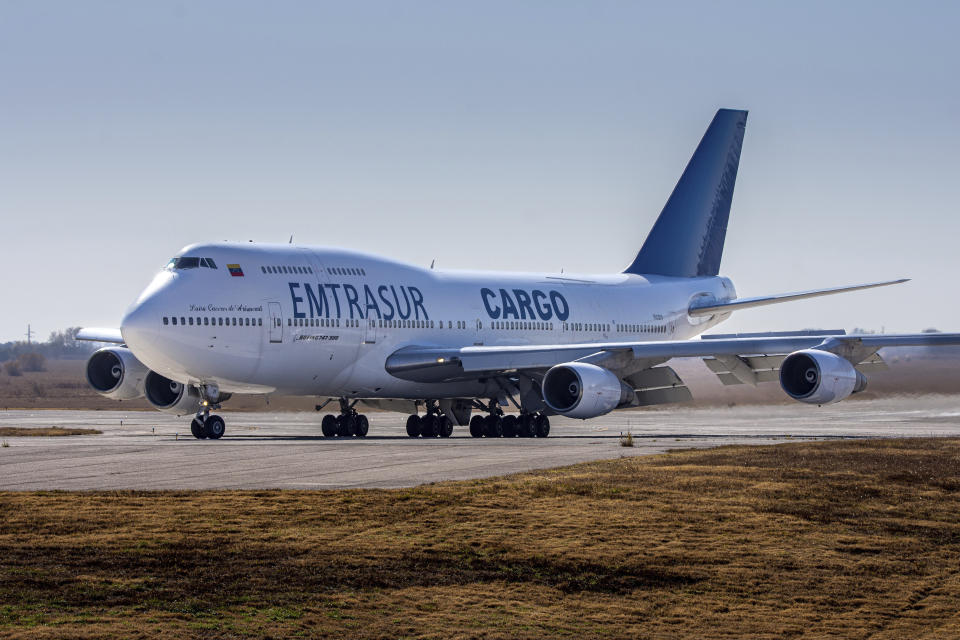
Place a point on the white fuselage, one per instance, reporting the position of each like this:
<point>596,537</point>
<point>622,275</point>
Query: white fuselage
<point>318,321</point>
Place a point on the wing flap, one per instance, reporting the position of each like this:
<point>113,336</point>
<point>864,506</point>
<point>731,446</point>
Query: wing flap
<point>654,378</point>
<point>650,397</point>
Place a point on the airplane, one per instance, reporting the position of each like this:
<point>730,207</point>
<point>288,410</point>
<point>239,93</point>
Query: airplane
<point>460,346</point>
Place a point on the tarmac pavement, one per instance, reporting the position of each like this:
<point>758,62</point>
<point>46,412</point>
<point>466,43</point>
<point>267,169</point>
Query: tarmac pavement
<point>151,450</point>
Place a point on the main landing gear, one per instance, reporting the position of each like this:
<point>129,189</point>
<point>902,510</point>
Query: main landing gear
<point>348,423</point>
<point>526,425</point>
<point>434,424</point>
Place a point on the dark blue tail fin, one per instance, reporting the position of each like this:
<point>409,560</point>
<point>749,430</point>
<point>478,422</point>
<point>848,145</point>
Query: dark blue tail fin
<point>687,239</point>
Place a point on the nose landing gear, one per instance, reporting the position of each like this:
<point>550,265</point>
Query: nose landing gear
<point>205,424</point>
<point>208,426</point>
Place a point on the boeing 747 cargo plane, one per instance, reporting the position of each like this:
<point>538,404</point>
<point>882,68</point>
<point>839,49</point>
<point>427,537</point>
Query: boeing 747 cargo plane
<point>231,318</point>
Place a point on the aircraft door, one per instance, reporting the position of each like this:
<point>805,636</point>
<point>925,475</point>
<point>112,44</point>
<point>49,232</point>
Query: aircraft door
<point>370,331</point>
<point>276,322</point>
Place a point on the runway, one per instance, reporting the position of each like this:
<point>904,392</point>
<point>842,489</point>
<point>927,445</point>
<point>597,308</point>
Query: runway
<point>151,450</point>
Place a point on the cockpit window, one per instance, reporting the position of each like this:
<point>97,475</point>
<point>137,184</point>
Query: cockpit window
<point>187,263</point>
<point>190,262</point>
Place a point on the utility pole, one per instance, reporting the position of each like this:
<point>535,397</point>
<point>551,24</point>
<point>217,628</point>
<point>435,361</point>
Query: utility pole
<point>29,334</point>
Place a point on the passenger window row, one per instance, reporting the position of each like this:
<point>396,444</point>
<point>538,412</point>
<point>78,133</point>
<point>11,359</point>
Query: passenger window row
<point>411,324</point>
<point>585,326</point>
<point>320,322</point>
<point>522,325</point>
<point>347,271</point>
<point>285,269</point>
<point>642,328</point>
<point>207,321</point>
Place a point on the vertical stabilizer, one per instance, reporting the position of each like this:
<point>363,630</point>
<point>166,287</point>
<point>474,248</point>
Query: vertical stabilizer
<point>687,239</point>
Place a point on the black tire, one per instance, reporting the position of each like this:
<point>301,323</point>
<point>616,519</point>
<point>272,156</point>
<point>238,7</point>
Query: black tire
<point>329,425</point>
<point>431,426</point>
<point>542,423</point>
<point>494,427</point>
<point>477,426</point>
<point>215,427</point>
<point>526,427</point>
<point>197,429</point>
<point>509,426</point>
<point>446,427</point>
<point>414,426</point>
<point>344,425</point>
<point>361,426</point>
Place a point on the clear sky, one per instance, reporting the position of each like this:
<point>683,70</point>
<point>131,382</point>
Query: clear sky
<point>512,135</point>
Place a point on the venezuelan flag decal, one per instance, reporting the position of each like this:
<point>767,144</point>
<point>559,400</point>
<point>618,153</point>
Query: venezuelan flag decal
<point>235,270</point>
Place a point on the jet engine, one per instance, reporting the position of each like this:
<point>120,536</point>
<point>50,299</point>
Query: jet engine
<point>581,390</point>
<point>819,377</point>
<point>171,396</point>
<point>116,373</point>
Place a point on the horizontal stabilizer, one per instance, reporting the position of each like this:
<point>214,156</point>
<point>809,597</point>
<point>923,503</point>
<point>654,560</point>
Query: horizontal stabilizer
<point>712,307</point>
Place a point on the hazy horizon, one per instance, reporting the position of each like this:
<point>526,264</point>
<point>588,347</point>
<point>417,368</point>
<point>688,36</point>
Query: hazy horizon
<point>529,137</point>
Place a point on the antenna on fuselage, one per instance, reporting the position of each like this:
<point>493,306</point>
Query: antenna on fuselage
<point>291,239</point>
<point>431,262</point>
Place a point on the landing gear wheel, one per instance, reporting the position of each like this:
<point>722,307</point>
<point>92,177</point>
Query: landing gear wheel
<point>414,426</point>
<point>446,427</point>
<point>542,424</point>
<point>360,426</point>
<point>329,425</point>
<point>526,426</point>
<point>509,426</point>
<point>431,426</point>
<point>214,426</point>
<point>197,429</point>
<point>344,425</point>
<point>494,427</point>
<point>477,426</point>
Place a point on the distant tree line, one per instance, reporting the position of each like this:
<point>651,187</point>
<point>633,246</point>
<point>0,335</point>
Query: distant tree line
<point>60,345</point>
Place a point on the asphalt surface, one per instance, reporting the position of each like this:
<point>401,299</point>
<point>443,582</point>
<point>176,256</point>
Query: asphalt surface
<point>150,450</point>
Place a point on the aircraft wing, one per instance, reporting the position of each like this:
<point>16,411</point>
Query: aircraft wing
<point>710,307</point>
<point>439,364</point>
<point>100,334</point>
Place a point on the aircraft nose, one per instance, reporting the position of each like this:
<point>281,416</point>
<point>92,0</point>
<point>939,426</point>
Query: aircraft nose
<point>137,326</point>
<point>142,323</point>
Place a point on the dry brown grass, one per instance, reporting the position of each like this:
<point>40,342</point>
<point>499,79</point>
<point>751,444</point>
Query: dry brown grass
<point>19,432</point>
<point>854,539</point>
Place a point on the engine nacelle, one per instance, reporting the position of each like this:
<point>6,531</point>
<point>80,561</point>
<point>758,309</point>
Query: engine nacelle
<point>581,390</point>
<point>170,396</point>
<point>819,377</point>
<point>116,373</point>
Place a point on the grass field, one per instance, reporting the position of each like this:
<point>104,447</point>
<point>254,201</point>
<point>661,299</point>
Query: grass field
<point>855,539</point>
